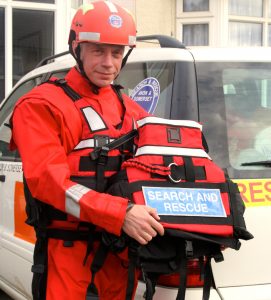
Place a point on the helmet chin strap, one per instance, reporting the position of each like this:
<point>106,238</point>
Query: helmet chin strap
<point>126,57</point>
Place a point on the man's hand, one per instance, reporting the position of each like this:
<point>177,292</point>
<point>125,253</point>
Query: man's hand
<point>141,223</point>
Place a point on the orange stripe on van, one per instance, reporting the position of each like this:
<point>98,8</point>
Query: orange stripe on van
<point>21,229</point>
<point>255,192</point>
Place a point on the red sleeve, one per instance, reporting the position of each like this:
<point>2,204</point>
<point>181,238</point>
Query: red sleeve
<point>43,141</point>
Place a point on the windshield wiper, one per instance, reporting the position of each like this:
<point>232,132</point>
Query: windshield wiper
<point>266,163</point>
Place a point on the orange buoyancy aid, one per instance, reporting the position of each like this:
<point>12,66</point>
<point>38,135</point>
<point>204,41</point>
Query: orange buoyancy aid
<point>55,135</point>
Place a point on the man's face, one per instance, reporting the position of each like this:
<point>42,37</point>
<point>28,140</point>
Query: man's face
<point>102,62</point>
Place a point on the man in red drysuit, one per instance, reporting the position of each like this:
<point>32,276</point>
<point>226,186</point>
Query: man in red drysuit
<point>55,127</point>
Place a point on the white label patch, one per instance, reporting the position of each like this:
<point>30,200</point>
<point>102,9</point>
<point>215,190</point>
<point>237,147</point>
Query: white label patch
<point>185,201</point>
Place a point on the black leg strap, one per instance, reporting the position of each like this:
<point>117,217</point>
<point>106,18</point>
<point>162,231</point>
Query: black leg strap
<point>39,268</point>
<point>132,255</point>
<point>97,263</point>
<point>208,278</point>
<point>150,280</point>
<point>183,277</point>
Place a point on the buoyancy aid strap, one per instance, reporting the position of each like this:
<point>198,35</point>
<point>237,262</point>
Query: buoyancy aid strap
<point>66,88</point>
<point>86,164</point>
<point>150,281</point>
<point>133,257</point>
<point>72,235</point>
<point>114,144</point>
<point>100,155</point>
<point>217,240</point>
<point>117,89</point>
<point>180,172</point>
<point>96,265</point>
<point>39,267</point>
<point>204,143</point>
<point>208,278</point>
<point>189,169</point>
<point>183,277</point>
<point>237,209</point>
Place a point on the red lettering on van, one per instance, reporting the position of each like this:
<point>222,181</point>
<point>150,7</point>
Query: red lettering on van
<point>243,189</point>
<point>267,187</point>
<point>254,191</point>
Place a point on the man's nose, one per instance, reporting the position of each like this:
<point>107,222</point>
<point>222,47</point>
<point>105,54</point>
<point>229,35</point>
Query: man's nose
<point>108,59</point>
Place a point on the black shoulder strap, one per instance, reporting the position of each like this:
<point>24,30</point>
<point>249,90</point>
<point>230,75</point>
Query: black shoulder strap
<point>66,88</point>
<point>204,143</point>
<point>113,145</point>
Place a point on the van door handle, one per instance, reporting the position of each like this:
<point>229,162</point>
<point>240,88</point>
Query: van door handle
<point>2,178</point>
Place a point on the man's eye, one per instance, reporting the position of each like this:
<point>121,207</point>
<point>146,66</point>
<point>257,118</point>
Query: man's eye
<point>117,54</point>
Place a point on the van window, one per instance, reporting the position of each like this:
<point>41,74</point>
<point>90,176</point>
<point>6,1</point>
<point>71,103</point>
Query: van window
<point>5,113</point>
<point>5,153</point>
<point>141,81</point>
<point>235,108</point>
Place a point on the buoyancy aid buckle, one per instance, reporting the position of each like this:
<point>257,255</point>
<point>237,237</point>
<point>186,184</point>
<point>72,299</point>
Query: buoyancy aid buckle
<point>173,176</point>
<point>103,157</point>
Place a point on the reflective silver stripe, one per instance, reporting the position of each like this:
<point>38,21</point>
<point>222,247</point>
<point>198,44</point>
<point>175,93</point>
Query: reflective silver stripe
<point>89,143</point>
<point>156,120</point>
<point>171,151</point>
<point>111,6</point>
<point>89,36</point>
<point>73,196</point>
<point>95,122</point>
<point>132,40</point>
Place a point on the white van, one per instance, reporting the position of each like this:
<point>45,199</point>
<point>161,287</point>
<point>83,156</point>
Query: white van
<point>229,92</point>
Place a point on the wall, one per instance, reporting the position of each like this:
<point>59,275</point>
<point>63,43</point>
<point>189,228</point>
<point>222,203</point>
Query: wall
<point>155,17</point>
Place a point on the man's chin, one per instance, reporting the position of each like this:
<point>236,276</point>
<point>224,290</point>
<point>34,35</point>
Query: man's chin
<point>103,83</point>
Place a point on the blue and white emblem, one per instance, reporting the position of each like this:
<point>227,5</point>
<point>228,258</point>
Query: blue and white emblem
<point>147,93</point>
<point>115,21</point>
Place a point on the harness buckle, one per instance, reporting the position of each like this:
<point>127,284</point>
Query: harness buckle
<point>103,156</point>
<point>175,180</point>
<point>189,249</point>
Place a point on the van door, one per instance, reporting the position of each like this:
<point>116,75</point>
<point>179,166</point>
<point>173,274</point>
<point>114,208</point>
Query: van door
<point>235,109</point>
<point>15,235</point>
<point>16,238</point>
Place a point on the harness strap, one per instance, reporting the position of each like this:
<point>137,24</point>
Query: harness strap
<point>187,172</point>
<point>96,265</point>
<point>208,278</point>
<point>39,268</point>
<point>133,257</point>
<point>238,208</point>
<point>183,278</point>
<point>150,280</point>
<point>189,169</point>
<point>114,144</point>
<point>72,235</point>
<point>113,163</point>
<point>66,88</point>
<point>100,170</point>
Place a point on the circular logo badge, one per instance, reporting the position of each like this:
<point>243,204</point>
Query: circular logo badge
<point>147,93</point>
<point>115,21</point>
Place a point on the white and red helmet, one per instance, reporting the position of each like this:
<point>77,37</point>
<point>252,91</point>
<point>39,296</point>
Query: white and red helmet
<point>103,22</point>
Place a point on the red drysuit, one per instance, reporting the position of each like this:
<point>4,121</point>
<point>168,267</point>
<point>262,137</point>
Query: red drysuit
<point>52,134</point>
